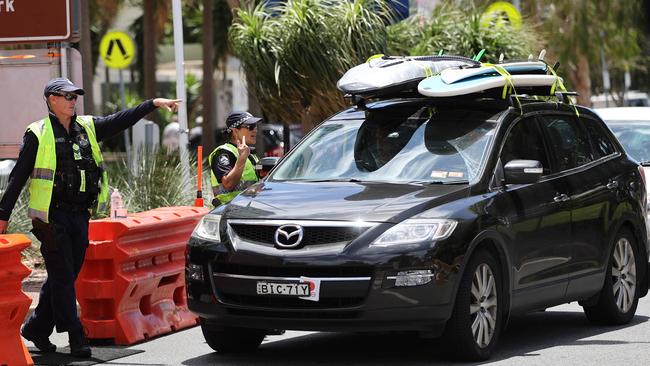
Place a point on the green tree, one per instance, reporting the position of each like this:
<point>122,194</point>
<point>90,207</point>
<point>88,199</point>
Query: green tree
<point>297,51</point>
<point>576,32</point>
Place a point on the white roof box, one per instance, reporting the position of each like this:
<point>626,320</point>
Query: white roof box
<point>395,75</point>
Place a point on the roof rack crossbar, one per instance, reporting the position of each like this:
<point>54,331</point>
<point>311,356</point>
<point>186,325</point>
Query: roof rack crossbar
<point>563,96</point>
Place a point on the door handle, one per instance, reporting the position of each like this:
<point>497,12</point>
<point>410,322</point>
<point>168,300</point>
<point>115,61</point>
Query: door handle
<point>561,197</point>
<point>612,184</point>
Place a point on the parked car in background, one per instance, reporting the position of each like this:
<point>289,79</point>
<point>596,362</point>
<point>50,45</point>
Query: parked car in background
<point>631,126</point>
<point>272,141</point>
<point>444,217</point>
<point>632,99</point>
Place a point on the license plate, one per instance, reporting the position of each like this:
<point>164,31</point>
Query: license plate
<point>283,289</point>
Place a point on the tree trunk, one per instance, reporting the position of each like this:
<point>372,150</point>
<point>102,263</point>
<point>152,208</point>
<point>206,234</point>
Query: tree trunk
<point>581,80</point>
<point>209,123</point>
<point>149,52</point>
<point>87,71</point>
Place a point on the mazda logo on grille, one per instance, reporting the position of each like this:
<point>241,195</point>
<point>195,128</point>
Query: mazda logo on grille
<point>288,236</point>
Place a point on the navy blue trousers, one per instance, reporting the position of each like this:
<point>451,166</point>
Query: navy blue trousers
<point>57,305</point>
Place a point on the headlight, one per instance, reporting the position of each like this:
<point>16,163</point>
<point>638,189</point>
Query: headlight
<point>208,228</point>
<point>416,231</point>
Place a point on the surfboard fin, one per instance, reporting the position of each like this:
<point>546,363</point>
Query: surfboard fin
<point>501,58</point>
<point>542,54</point>
<point>479,55</point>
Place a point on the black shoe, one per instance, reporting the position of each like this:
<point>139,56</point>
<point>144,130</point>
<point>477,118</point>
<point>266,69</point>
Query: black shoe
<point>79,344</point>
<point>41,342</point>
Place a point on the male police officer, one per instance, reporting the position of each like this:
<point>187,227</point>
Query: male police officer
<point>232,166</point>
<point>62,156</point>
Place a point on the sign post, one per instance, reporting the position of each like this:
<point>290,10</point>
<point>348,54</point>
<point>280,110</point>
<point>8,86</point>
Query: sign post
<point>118,51</point>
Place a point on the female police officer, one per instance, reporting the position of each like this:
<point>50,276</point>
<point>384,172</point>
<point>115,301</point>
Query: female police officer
<point>62,156</point>
<point>232,166</point>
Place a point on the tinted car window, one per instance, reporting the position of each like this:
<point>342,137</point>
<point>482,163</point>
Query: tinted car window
<point>415,144</point>
<point>600,140</point>
<point>568,142</point>
<point>524,141</point>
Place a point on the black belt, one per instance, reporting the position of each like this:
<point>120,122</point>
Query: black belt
<point>72,207</point>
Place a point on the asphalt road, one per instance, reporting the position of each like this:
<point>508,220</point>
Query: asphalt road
<point>558,336</point>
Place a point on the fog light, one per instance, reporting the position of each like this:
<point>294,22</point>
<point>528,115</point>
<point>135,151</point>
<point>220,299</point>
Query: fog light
<point>412,278</point>
<point>195,272</point>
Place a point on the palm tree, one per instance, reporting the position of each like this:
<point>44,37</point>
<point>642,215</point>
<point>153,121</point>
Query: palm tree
<point>577,31</point>
<point>297,51</point>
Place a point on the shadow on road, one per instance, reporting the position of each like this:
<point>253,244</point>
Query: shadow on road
<point>525,336</point>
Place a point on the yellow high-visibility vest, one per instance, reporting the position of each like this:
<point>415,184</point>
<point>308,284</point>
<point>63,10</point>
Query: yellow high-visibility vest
<point>248,176</point>
<point>42,178</point>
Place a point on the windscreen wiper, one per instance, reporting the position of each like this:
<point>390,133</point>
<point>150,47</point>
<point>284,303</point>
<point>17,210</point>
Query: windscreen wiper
<point>432,182</point>
<point>350,180</point>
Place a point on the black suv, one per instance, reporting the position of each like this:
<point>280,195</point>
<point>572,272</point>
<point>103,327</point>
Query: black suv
<point>439,216</point>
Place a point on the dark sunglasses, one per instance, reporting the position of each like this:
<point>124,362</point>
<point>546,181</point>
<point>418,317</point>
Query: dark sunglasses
<point>67,96</point>
<point>250,127</point>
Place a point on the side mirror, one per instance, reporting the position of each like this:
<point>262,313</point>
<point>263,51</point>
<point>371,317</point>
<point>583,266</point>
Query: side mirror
<point>266,164</point>
<point>522,171</point>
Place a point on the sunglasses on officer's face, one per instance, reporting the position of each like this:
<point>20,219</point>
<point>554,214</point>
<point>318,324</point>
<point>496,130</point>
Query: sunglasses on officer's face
<point>67,96</point>
<point>250,127</point>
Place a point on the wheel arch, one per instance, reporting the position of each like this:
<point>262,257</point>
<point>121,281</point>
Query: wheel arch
<point>491,241</point>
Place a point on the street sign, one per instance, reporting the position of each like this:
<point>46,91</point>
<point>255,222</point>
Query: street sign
<point>35,21</point>
<point>117,50</point>
<point>499,14</point>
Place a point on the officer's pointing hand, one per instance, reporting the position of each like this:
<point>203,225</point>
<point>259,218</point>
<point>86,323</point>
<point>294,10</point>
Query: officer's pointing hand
<point>169,104</point>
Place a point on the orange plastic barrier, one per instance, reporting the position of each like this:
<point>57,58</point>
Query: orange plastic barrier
<point>14,304</point>
<point>132,284</point>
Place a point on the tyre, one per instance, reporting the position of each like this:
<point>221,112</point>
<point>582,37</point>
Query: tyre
<point>476,321</point>
<point>231,339</point>
<point>619,296</point>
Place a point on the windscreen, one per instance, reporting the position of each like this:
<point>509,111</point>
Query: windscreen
<point>416,144</point>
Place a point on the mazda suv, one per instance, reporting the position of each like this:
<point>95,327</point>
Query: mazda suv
<point>444,217</point>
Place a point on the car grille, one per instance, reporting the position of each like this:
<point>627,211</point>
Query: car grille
<point>342,288</point>
<point>286,271</point>
<point>313,235</point>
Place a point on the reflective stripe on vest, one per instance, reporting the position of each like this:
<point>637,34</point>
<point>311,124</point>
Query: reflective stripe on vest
<point>248,177</point>
<point>42,182</point>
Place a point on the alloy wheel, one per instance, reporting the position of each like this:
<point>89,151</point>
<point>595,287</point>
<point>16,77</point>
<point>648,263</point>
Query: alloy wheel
<point>624,275</point>
<point>483,305</point>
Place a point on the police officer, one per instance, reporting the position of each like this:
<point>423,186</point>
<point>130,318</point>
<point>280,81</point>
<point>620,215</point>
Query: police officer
<point>61,155</point>
<point>232,166</point>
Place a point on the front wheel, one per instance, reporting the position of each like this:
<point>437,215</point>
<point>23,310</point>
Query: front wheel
<point>475,324</point>
<point>619,296</point>
<point>231,339</point>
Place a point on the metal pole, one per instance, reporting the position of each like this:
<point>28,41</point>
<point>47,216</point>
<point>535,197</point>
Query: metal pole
<point>64,61</point>
<point>603,60</point>
<point>127,139</point>
<point>180,89</point>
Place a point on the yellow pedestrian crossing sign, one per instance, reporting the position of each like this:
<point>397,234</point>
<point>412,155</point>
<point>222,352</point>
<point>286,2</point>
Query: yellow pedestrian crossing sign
<point>117,49</point>
<point>499,14</point>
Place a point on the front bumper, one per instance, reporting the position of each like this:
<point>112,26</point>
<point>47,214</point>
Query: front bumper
<point>357,293</point>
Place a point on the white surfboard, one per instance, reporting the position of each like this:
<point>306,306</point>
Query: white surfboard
<point>435,87</point>
<point>451,76</point>
<point>388,75</point>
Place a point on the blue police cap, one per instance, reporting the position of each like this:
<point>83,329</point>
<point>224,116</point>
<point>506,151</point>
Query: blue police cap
<point>237,119</point>
<point>61,85</point>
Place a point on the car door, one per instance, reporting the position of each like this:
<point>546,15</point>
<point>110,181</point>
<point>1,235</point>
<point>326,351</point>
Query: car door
<point>537,222</point>
<point>588,159</point>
